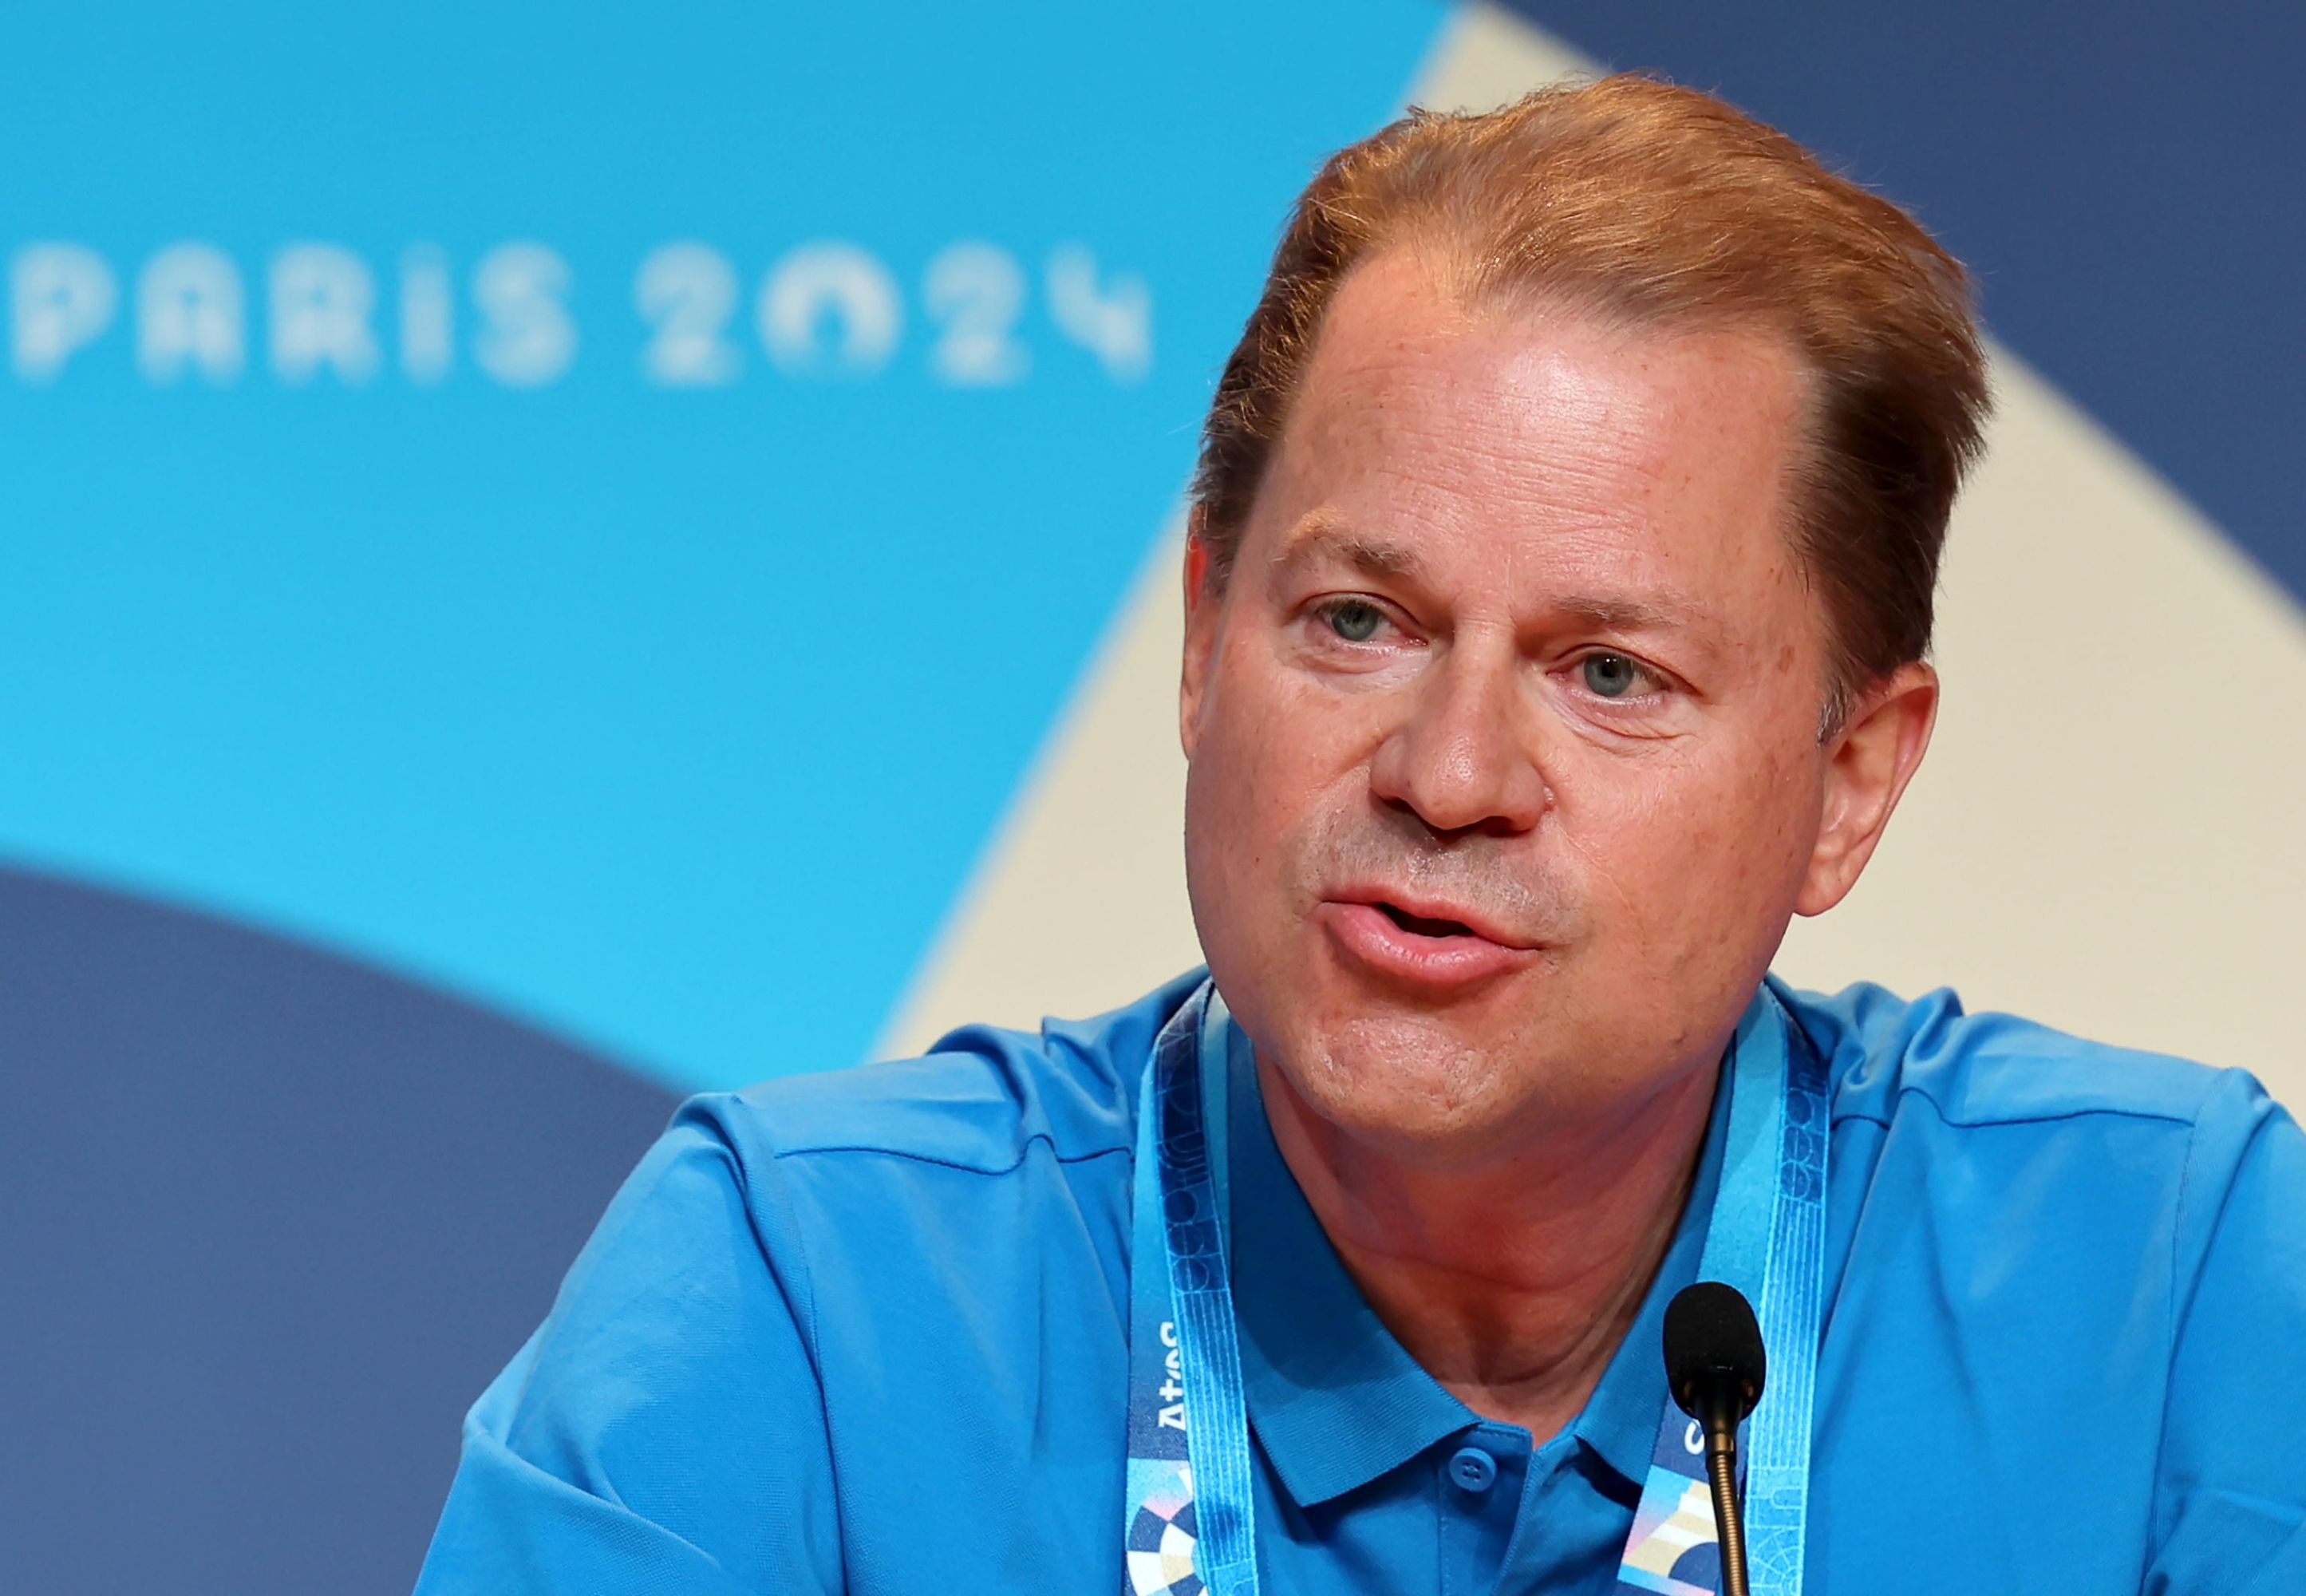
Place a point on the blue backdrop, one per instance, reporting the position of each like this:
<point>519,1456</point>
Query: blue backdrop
<point>539,541</point>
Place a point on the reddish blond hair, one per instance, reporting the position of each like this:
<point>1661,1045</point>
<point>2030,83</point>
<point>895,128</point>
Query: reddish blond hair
<point>1652,204</point>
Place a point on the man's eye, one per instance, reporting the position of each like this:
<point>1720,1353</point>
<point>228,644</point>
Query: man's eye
<point>1611,676</point>
<point>1356,620</point>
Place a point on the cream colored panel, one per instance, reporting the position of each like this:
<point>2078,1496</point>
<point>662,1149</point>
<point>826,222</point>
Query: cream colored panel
<point>2107,835</point>
<point>1486,56</point>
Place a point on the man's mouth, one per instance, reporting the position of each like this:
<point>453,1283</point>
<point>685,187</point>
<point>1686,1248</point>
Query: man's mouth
<point>1434,950</point>
<point>1419,925</point>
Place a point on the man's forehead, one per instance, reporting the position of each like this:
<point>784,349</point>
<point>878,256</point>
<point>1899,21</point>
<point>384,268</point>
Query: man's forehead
<point>1406,342</point>
<point>1627,464</point>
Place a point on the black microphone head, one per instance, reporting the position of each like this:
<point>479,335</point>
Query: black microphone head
<point>1711,1338</point>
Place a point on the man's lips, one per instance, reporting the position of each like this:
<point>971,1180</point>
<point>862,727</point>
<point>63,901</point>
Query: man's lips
<point>1427,943</point>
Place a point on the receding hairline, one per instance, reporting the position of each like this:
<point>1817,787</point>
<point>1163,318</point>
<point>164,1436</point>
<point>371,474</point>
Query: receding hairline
<point>1502,303</point>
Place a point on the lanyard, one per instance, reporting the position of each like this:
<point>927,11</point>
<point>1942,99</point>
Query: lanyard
<point>1191,1508</point>
<point>1765,1236</point>
<point>1190,1512</point>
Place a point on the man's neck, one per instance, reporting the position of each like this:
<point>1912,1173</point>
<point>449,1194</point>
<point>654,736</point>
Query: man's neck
<point>1512,1283</point>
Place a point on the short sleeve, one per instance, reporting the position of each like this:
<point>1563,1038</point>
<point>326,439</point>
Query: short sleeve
<point>664,1431</point>
<point>2232,1487</point>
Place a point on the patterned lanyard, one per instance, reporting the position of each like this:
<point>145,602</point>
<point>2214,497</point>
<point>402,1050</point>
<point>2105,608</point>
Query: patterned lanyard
<point>1765,1236</point>
<point>1190,1516</point>
<point>1191,1510</point>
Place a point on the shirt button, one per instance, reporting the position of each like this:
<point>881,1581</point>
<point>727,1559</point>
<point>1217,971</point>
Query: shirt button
<point>1473,1469</point>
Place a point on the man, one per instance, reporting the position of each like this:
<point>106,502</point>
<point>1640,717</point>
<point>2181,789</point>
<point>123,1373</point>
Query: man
<point>1558,594</point>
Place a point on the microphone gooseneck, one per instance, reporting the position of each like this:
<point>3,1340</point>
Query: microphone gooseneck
<point>1715,1365</point>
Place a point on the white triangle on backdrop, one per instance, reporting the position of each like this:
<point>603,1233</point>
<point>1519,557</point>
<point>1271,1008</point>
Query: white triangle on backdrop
<point>2106,835</point>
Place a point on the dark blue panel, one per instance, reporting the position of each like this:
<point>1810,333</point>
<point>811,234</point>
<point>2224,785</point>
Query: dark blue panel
<point>271,1220</point>
<point>2123,178</point>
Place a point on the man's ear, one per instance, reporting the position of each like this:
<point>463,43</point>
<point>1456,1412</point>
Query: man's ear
<point>1869,763</point>
<point>1201,608</point>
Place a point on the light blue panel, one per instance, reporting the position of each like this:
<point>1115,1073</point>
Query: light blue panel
<point>671,717</point>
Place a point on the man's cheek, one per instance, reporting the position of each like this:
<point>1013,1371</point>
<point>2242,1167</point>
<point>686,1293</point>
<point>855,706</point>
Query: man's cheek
<point>1650,877</point>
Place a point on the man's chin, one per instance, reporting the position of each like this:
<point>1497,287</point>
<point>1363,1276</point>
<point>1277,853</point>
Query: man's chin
<point>1406,1084</point>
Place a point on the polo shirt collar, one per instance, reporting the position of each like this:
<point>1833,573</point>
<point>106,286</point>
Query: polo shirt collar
<point>1334,1400</point>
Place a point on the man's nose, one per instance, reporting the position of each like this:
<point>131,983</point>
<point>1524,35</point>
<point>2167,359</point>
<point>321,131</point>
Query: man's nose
<point>1464,756</point>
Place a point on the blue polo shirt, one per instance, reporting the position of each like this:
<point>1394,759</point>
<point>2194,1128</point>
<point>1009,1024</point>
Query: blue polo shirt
<point>865,1331</point>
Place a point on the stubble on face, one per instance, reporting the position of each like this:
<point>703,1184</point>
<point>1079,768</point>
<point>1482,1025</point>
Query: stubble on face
<point>1402,1041</point>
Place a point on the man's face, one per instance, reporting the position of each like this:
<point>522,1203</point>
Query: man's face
<point>1503,731</point>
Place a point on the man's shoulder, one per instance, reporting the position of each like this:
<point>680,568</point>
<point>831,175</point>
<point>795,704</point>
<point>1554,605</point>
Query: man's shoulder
<point>977,1100</point>
<point>1887,1055</point>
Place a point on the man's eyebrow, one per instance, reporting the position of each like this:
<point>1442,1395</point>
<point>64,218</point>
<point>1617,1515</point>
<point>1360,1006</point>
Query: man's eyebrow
<point>1321,537</point>
<point>1624,615</point>
<point>1618,614</point>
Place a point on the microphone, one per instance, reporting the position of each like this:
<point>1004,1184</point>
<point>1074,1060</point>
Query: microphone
<point>1714,1366</point>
